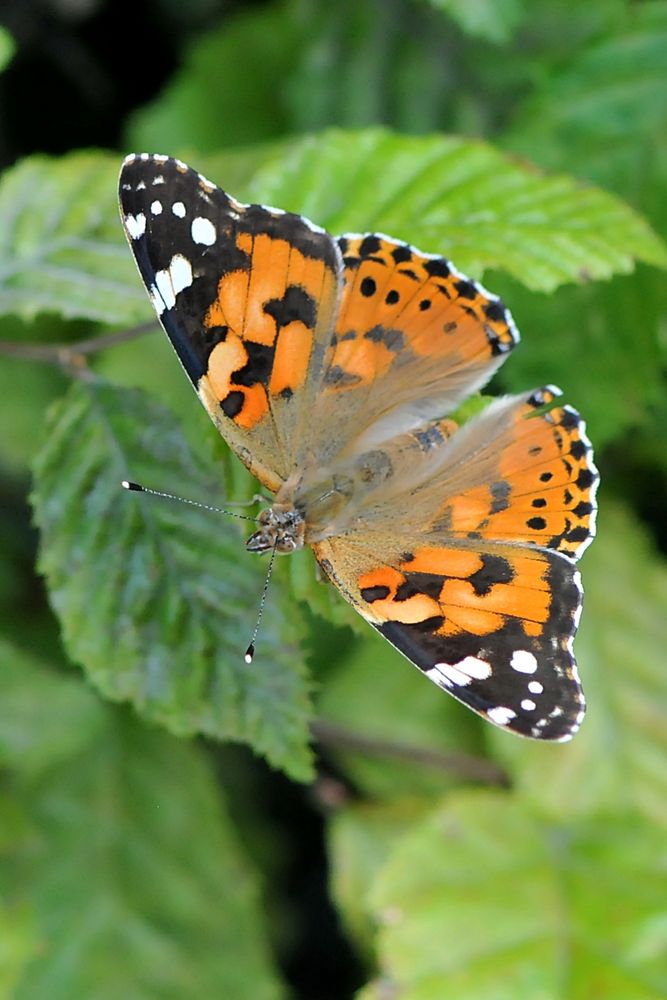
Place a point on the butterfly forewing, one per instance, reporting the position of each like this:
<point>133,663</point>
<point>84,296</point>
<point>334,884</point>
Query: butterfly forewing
<point>413,338</point>
<point>247,296</point>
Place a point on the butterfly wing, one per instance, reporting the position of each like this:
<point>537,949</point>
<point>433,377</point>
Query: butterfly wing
<point>457,544</point>
<point>297,343</point>
<point>248,298</point>
<point>472,574</point>
<point>413,338</point>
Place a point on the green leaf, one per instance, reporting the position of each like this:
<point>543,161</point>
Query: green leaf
<point>458,197</point>
<point>64,251</point>
<point>602,111</point>
<point>45,717</point>
<point>494,20</point>
<point>134,878</point>
<point>482,900</point>
<point>416,740</point>
<point>157,600</point>
<point>18,944</point>
<point>213,101</point>
<point>605,108</point>
<point>360,838</point>
<point>7,48</point>
<point>27,388</point>
<point>60,249</point>
<point>600,345</point>
<point>618,759</point>
<point>350,64</point>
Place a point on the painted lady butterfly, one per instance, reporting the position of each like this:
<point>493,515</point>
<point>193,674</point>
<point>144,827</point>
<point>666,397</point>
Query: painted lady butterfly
<point>327,364</point>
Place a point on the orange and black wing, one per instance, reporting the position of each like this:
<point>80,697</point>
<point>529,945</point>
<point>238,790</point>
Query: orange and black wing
<point>473,576</point>
<point>413,338</point>
<point>248,297</point>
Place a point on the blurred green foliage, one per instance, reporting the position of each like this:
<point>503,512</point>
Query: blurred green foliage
<point>528,143</point>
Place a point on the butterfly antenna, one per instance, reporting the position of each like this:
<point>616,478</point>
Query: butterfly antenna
<point>250,651</point>
<point>138,488</point>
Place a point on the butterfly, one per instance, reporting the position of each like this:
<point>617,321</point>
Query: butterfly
<point>330,365</point>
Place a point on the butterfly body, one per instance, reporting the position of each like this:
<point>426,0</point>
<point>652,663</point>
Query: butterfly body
<point>282,530</point>
<point>330,364</point>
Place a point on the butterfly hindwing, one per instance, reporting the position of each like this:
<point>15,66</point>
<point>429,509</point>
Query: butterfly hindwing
<point>485,603</point>
<point>542,480</point>
<point>492,626</point>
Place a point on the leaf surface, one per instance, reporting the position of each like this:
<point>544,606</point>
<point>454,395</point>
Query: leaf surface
<point>619,758</point>
<point>481,899</point>
<point>157,600</point>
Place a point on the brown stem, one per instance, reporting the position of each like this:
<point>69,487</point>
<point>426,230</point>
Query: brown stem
<point>462,765</point>
<point>63,354</point>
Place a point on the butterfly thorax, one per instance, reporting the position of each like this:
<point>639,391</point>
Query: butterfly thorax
<point>306,509</point>
<point>282,527</point>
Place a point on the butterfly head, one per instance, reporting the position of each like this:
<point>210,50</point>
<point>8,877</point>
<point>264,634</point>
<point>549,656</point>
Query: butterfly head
<point>282,528</point>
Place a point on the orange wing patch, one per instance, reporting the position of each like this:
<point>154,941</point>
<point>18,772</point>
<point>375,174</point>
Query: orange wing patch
<point>264,318</point>
<point>397,301</point>
<point>247,296</point>
<point>492,625</point>
<point>466,590</point>
<point>544,493</point>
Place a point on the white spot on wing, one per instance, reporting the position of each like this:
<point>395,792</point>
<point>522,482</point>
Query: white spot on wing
<point>535,687</point>
<point>523,661</point>
<point>203,231</point>
<point>479,670</point>
<point>464,672</point>
<point>156,208</point>
<point>136,225</point>
<point>165,290</point>
<point>528,705</point>
<point>180,271</point>
<point>445,673</point>
<point>206,183</point>
<point>171,281</point>
<point>178,208</point>
<point>501,715</point>
<point>158,304</point>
